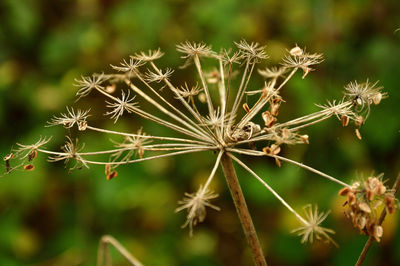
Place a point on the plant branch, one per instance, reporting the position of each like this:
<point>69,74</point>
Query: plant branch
<point>107,240</point>
<point>370,240</point>
<point>243,212</point>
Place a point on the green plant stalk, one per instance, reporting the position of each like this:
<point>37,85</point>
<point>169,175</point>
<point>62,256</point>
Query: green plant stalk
<point>242,211</point>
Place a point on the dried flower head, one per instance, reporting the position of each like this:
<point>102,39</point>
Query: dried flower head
<point>312,229</point>
<point>196,204</point>
<point>87,84</point>
<point>125,103</point>
<point>150,56</point>
<point>70,118</point>
<point>222,121</point>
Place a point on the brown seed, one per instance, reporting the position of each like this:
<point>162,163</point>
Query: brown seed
<point>8,157</point>
<point>141,153</point>
<point>110,88</point>
<point>82,126</point>
<point>364,207</point>
<point>29,167</point>
<point>267,150</point>
<point>112,175</point>
<point>351,198</point>
<point>359,121</point>
<point>32,155</point>
<point>246,107</point>
<point>377,232</point>
<point>268,119</point>
<point>358,134</point>
<point>377,98</point>
<point>275,149</point>
<point>344,191</point>
<point>304,138</point>
<point>369,194</point>
<point>275,109</point>
<point>296,51</point>
<point>390,203</point>
<point>345,120</point>
<point>107,171</point>
<point>277,162</point>
<point>381,189</point>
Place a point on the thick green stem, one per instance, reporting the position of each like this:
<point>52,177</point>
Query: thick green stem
<point>243,212</point>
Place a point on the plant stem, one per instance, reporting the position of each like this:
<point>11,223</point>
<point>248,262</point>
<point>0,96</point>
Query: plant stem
<point>104,251</point>
<point>381,218</point>
<point>243,212</point>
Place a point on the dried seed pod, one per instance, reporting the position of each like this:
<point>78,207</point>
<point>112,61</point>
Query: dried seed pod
<point>275,109</point>
<point>112,175</point>
<point>359,121</point>
<point>110,88</point>
<point>377,232</point>
<point>82,126</point>
<point>345,120</point>
<point>364,207</point>
<point>275,149</point>
<point>361,222</point>
<point>107,170</point>
<point>268,118</point>
<point>351,198</point>
<point>277,162</point>
<point>141,152</point>
<point>32,155</point>
<point>304,139</point>
<point>296,51</point>
<point>7,159</point>
<point>358,134</point>
<point>267,150</point>
<point>29,167</point>
<point>381,189</point>
<point>344,191</point>
<point>390,203</point>
<point>369,194</point>
<point>355,185</point>
<point>202,97</point>
<point>377,98</point>
<point>246,107</point>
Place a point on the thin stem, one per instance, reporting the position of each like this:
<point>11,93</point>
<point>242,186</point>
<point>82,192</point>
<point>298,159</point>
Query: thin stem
<point>168,103</point>
<point>162,109</point>
<point>298,216</point>
<point>144,136</point>
<point>148,158</point>
<point>203,81</point>
<point>370,240</point>
<point>260,153</point>
<point>243,212</point>
<point>104,251</point>
<point>213,171</point>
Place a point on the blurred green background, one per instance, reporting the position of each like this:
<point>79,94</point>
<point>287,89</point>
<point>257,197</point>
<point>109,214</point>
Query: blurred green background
<point>50,217</point>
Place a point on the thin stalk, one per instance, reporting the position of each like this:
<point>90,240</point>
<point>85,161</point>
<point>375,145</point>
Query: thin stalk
<point>260,153</point>
<point>104,252</point>
<point>298,216</point>
<point>168,103</point>
<point>370,240</point>
<point>243,212</point>
<point>205,87</point>
<point>144,136</point>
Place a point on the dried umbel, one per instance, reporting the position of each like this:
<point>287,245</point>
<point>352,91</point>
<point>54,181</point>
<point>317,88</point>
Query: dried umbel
<point>214,115</point>
<point>364,199</point>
